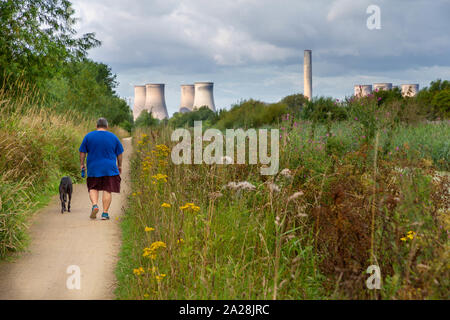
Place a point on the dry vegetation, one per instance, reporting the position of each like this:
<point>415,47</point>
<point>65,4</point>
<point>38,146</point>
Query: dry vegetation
<point>350,196</point>
<point>37,148</point>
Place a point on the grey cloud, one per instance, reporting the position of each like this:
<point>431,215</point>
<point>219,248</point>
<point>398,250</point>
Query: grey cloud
<point>254,48</point>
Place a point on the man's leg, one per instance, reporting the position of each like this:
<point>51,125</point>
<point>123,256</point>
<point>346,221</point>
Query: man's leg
<point>93,195</point>
<point>106,198</point>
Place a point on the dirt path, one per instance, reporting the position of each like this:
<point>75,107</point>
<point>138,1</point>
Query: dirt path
<point>59,241</point>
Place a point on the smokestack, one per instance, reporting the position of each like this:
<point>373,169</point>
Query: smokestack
<point>307,74</point>
<point>363,90</point>
<point>204,95</point>
<point>382,86</point>
<point>139,101</point>
<point>410,90</point>
<point>155,101</point>
<point>187,97</point>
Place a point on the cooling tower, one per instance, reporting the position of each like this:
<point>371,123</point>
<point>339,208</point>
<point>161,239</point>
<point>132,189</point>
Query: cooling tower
<point>307,74</point>
<point>363,90</point>
<point>155,101</point>
<point>410,90</point>
<point>187,97</point>
<point>204,95</point>
<point>139,101</point>
<point>382,86</point>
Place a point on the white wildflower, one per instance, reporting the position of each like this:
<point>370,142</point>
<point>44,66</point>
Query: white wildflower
<point>286,173</point>
<point>273,187</point>
<point>277,221</point>
<point>243,185</point>
<point>215,195</point>
<point>296,195</point>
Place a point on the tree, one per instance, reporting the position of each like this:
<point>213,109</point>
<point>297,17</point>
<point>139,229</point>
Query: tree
<point>295,102</point>
<point>441,101</point>
<point>88,88</point>
<point>37,37</point>
<point>180,120</point>
<point>434,99</point>
<point>146,119</point>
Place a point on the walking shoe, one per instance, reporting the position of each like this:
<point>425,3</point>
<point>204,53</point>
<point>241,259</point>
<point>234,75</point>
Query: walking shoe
<point>105,216</point>
<point>94,212</point>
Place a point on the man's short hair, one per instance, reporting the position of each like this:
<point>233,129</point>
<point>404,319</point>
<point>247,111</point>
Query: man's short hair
<point>102,123</point>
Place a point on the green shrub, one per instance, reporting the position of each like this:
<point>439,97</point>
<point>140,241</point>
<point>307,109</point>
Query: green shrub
<point>146,120</point>
<point>435,99</point>
<point>441,101</point>
<point>295,103</point>
<point>37,148</point>
<point>251,114</point>
<point>205,114</point>
<point>323,109</point>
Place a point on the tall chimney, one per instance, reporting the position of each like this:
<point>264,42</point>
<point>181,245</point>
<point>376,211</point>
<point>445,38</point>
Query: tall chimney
<point>139,101</point>
<point>187,97</point>
<point>155,101</point>
<point>382,86</point>
<point>204,95</point>
<point>363,90</point>
<point>307,74</point>
<point>410,90</point>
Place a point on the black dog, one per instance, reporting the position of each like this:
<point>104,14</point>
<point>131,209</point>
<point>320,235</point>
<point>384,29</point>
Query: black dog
<point>65,188</point>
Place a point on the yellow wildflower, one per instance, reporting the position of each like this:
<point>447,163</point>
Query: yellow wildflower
<point>410,235</point>
<point>160,277</point>
<point>190,206</point>
<point>151,252</point>
<point>180,241</point>
<point>160,177</point>
<point>166,205</point>
<point>148,229</point>
<point>138,271</point>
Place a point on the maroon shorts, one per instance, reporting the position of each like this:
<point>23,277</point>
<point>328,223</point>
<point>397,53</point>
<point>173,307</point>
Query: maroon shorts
<point>110,184</point>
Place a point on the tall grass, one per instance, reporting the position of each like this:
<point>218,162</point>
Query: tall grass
<point>225,250</point>
<point>345,203</point>
<point>37,148</point>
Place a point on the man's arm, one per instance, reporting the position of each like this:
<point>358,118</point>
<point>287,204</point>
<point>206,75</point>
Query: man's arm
<point>119,162</point>
<point>82,158</point>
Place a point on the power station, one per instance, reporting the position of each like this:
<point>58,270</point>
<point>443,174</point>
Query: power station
<point>139,100</point>
<point>363,90</point>
<point>382,86</point>
<point>307,74</point>
<point>410,90</point>
<point>194,96</point>
<point>187,97</point>
<point>204,95</point>
<point>407,90</point>
<point>155,101</point>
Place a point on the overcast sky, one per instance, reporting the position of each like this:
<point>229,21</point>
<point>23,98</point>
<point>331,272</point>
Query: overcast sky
<point>254,48</point>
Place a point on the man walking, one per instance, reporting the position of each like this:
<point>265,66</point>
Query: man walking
<point>104,166</point>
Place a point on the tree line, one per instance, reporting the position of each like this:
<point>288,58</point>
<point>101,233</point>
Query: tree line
<point>39,46</point>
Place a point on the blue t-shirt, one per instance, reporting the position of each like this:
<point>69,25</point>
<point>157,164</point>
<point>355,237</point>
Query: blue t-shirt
<point>102,148</point>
